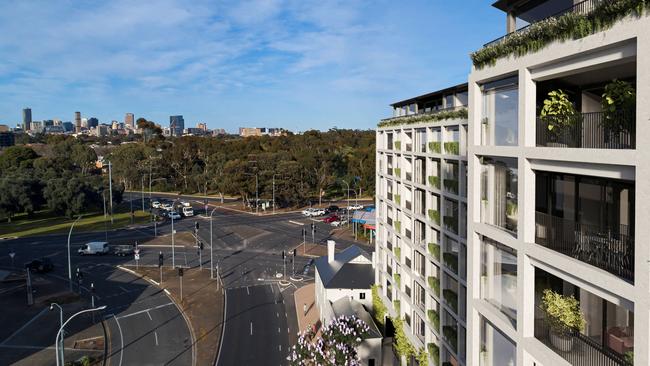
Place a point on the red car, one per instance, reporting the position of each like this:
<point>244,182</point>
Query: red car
<point>331,219</point>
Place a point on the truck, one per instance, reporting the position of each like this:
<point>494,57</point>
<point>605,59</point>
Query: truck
<point>187,211</point>
<point>94,247</point>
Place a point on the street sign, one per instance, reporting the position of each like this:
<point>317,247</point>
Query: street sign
<point>137,256</point>
<point>160,260</point>
<point>136,251</point>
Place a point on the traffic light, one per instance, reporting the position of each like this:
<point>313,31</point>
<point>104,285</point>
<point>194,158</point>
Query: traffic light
<point>201,245</point>
<point>294,252</point>
<point>180,271</point>
<point>160,259</point>
<point>283,255</point>
<point>196,225</point>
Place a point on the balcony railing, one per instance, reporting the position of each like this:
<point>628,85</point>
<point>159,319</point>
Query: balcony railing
<point>577,348</point>
<point>434,250</point>
<point>584,7</point>
<point>434,146</point>
<point>451,261</point>
<point>434,181</point>
<point>452,148</point>
<point>434,283</point>
<point>610,249</point>
<point>451,335</point>
<point>434,318</point>
<point>451,185</point>
<point>451,298</point>
<point>595,130</point>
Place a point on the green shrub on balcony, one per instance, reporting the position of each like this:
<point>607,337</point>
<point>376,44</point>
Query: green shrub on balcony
<point>396,306</point>
<point>425,117</point>
<point>451,335</point>
<point>398,226</point>
<point>434,216</point>
<point>451,223</point>
<point>451,185</point>
<point>434,249</point>
<point>397,145</point>
<point>398,279</point>
<point>398,172</point>
<point>434,146</point>
<point>398,252</point>
<point>434,283</point>
<point>378,307</point>
<point>422,357</point>
<point>434,181</point>
<point>452,148</point>
<point>571,25</point>
<point>434,318</point>
<point>451,298</point>
<point>434,352</point>
<point>398,199</point>
<point>403,348</point>
<point>451,261</point>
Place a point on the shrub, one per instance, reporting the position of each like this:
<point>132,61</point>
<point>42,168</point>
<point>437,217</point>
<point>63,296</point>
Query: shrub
<point>562,312</point>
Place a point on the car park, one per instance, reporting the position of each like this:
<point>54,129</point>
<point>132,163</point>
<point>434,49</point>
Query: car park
<point>40,265</point>
<point>94,247</point>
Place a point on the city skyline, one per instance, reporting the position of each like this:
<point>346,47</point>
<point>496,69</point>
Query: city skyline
<point>305,65</point>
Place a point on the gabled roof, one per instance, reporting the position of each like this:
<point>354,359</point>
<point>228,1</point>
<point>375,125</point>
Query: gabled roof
<point>346,306</point>
<point>343,274</point>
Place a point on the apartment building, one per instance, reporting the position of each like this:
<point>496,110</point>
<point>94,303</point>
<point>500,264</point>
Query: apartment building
<point>558,198</point>
<point>421,210</point>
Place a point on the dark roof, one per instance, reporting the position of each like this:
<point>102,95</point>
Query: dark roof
<point>342,274</point>
<point>346,306</point>
<point>438,93</point>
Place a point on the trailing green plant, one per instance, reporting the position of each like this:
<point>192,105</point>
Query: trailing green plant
<point>396,306</point>
<point>434,215</point>
<point>423,118</point>
<point>618,104</point>
<point>434,283</point>
<point>434,249</point>
<point>398,226</point>
<point>452,148</point>
<point>378,308</point>
<point>571,25</point>
<point>398,279</point>
<point>398,145</point>
<point>451,334</point>
<point>511,208</point>
<point>398,199</point>
<point>398,173</point>
<point>402,345</point>
<point>422,357</point>
<point>451,223</point>
<point>434,146</point>
<point>434,318</point>
<point>434,351</point>
<point>434,181</point>
<point>451,185</point>
<point>629,357</point>
<point>451,260</point>
<point>558,111</point>
<point>562,312</point>
<point>451,298</point>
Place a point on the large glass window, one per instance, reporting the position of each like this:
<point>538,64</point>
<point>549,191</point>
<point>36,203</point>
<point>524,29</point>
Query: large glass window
<point>496,348</point>
<point>499,192</point>
<point>499,277</point>
<point>499,122</point>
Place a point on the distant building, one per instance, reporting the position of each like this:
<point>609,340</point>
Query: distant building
<point>202,125</point>
<point>129,119</point>
<point>77,121</point>
<point>92,122</point>
<point>37,126</point>
<point>27,119</point>
<point>6,138</point>
<point>84,122</point>
<point>53,129</point>
<point>194,131</point>
<point>68,126</point>
<point>176,125</point>
<point>219,131</point>
<point>102,130</point>
<point>48,123</point>
<point>115,125</point>
<point>261,131</point>
<point>4,128</point>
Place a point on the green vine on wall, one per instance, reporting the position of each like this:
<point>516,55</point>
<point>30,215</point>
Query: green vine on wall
<point>378,307</point>
<point>568,26</point>
<point>426,117</point>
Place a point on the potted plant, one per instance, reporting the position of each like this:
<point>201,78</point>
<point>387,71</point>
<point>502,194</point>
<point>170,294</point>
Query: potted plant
<point>559,114</point>
<point>564,317</point>
<point>618,103</point>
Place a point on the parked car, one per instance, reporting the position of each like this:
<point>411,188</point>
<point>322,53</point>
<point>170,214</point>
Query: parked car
<point>40,265</point>
<point>155,204</point>
<point>123,250</point>
<point>308,211</point>
<point>185,204</point>
<point>355,207</point>
<point>319,212</point>
<point>330,219</point>
<point>94,247</point>
<point>339,223</point>
<point>187,211</point>
<point>174,215</point>
<point>166,206</point>
<point>332,209</point>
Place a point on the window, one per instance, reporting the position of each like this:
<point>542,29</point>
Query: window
<point>499,277</point>
<point>499,122</point>
<point>362,295</point>
<point>462,98</point>
<point>496,349</point>
<point>449,101</point>
<point>499,181</point>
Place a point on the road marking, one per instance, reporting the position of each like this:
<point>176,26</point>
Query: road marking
<point>167,292</point>
<point>146,310</point>
<point>149,314</point>
<point>25,325</point>
<point>155,334</point>
<point>248,290</point>
<point>123,289</point>
<point>280,347</point>
<point>277,315</point>
<point>288,330</point>
<point>121,339</point>
<point>278,330</point>
<point>152,281</point>
<point>296,223</point>
<point>251,328</point>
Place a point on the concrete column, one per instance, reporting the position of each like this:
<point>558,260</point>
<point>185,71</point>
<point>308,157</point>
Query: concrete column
<point>511,21</point>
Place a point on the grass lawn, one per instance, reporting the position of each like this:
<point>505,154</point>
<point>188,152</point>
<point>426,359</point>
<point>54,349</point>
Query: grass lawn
<point>46,223</point>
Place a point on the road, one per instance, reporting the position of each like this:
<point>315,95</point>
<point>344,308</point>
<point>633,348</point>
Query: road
<point>147,329</point>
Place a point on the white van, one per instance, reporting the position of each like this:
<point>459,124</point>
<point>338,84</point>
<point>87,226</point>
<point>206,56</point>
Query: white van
<point>94,247</point>
<point>187,211</point>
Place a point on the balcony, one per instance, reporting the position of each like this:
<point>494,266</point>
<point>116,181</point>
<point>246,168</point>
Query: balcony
<point>434,353</point>
<point>434,147</point>
<point>595,130</point>
<point>398,199</point>
<point>434,283</point>
<point>398,227</point>
<point>451,223</point>
<point>434,215</point>
<point>398,252</point>
<point>434,318</point>
<point>398,279</point>
<point>397,145</point>
<point>451,261</point>
<point>608,248</point>
<point>452,148</point>
<point>434,181</point>
<point>451,299</point>
<point>398,172</point>
<point>451,185</point>
<point>434,250</point>
<point>450,333</point>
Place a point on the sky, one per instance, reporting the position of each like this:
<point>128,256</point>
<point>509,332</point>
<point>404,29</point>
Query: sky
<point>297,64</point>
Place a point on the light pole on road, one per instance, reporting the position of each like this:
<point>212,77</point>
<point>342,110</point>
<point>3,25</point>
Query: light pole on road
<point>52,305</point>
<point>211,258</point>
<point>347,209</point>
<point>61,361</point>
<point>69,264</point>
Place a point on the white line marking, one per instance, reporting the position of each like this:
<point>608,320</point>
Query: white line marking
<point>154,282</point>
<point>155,334</point>
<point>123,289</point>
<point>280,347</point>
<point>145,310</point>
<point>277,315</point>
<point>25,325</point>
<point>288,330</point>
<point>248,290</point>
<point>121,339</point>
<point>251,328</point>
<point>296,223</point>
<point>167,292</point>
<point>149,314</point>
<point>278,330</point>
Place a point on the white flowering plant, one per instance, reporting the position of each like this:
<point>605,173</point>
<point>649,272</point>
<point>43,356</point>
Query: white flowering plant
<point>337,345</point>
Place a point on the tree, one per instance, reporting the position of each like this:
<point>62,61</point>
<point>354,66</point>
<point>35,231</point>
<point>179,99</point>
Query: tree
<point>19,195</point>
<point>337,345</point>
<point>15,157</point>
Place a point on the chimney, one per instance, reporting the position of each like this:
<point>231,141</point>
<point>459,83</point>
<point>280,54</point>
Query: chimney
<point>331,244</point>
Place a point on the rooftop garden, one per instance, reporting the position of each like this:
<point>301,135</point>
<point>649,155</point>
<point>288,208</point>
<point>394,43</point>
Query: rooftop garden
<point>571,25</point>
<point>425,117</point>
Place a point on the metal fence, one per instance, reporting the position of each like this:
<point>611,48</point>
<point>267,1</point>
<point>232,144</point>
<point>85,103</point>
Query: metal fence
<point>588,131</point>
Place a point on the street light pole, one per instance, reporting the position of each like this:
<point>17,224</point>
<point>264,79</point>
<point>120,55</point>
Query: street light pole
<point>52,305</point>
<point>110,188</point>
<point>211,257</point>
<point>58,334</point>
<point>143,192</point>
<point>69,264</point>
<point>347,211</point>
<point>257,198</point>
<point>274,194</point>
<point>172,217</point>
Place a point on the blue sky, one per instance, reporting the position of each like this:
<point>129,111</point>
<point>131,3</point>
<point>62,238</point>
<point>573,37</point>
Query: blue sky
<point>270,63</point>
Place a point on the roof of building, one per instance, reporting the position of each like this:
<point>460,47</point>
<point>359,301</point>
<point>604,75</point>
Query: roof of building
<point>340,273</point>
<point>438,93</point>
<point>348,307</point>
